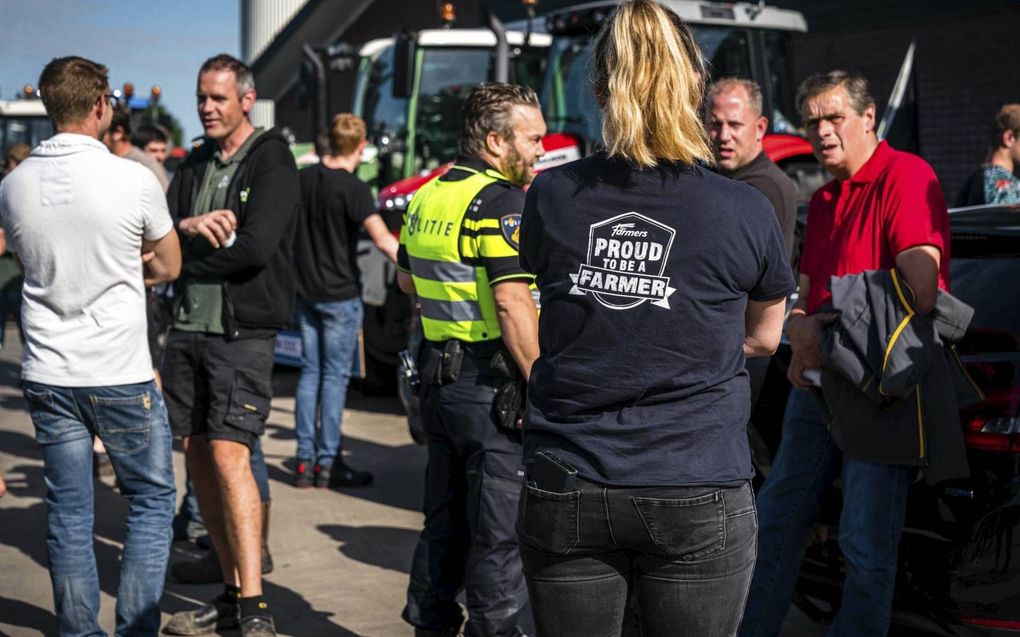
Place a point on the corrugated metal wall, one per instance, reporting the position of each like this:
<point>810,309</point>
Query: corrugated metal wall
<point>261,20</point>
<point>263,113</point>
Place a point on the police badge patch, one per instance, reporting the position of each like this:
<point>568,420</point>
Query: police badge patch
<point>510,226</point>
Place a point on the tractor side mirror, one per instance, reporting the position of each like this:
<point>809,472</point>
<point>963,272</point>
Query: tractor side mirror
<point>403,65</point>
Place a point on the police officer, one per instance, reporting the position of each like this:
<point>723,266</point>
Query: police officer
<point>458,253</point>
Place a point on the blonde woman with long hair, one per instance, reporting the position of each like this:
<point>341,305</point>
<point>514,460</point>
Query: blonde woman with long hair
<point>657,279</point>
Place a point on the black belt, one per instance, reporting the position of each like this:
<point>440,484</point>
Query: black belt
<point>479,349</point>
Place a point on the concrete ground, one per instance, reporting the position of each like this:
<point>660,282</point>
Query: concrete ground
<point>341,558</point>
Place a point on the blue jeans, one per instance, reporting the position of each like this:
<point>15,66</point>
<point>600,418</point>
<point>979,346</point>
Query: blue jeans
<point>683,554</point>
<point>131,421</point>
<point>874,508</point>
<point>329,339</point>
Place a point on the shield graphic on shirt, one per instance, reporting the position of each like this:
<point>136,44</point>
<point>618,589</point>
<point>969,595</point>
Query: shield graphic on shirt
<point>626,265</point>
<point>510,227</point>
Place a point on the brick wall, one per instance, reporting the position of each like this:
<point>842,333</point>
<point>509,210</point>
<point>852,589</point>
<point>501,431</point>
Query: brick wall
<point>966,67</point>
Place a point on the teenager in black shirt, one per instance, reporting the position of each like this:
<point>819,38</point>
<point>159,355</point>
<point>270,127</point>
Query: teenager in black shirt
<point>657,279</point>
<point>335,204</point>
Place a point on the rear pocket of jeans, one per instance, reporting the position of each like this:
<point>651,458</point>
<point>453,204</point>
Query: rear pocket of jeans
<point>49,425</point>
<point>249,404</point>
<point>548,521</point>
<point>123,422</point>
<point>686,528</point>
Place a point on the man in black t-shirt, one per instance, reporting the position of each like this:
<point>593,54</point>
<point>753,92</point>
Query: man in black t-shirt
<point>335,204</point>
<point>736,128</point>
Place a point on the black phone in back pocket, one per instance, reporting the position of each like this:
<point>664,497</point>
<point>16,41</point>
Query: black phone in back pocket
<point>551,474</point>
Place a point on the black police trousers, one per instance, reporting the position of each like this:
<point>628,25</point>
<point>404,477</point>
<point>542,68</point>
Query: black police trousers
<point>472,487</point>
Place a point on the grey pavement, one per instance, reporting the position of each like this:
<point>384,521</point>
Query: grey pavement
<point>341,557</point>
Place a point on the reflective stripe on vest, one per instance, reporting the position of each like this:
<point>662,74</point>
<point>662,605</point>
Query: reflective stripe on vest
<point>455,297</point>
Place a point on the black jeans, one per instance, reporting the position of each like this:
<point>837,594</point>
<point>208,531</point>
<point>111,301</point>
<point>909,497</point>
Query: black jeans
<point>472,485</point>
<point>686,554</point>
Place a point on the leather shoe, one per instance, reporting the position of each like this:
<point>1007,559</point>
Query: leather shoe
<point>214,616</point>
<point>257,626</point>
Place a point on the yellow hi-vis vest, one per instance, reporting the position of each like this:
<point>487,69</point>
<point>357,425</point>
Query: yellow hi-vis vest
<point>449,277</point>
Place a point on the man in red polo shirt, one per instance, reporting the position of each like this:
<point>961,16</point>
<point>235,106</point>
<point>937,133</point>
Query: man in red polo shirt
<point>883,208</point>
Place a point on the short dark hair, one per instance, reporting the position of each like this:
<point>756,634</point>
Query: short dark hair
<point>1007,119</point>
<point>856,85</point>
<point>226,62</point>
<point>489,108</point>
<point>69,87</point>
<point>122,120</point>
<point>148,133</point>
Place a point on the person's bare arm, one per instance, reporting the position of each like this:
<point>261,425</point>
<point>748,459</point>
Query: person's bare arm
<point>518,319</point>
<point>763,326</point>
<point>920,267</point>
<point>405,282</point>
<point>381,236</point>
<point>161,259</point>
<point>805,334</point>
<point>215,226</point>
<point>3,242</point>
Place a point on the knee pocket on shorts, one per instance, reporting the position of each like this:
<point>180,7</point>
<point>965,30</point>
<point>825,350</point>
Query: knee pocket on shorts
<point>249,404</point>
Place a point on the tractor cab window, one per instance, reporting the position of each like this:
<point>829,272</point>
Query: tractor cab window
<point>447,77</point>
<point>784,117</point>
<point>385,115</point>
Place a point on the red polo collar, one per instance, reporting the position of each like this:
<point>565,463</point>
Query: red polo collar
<point>875,164</point>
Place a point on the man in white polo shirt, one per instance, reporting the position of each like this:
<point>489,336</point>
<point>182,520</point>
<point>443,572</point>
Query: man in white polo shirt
<point>91,229</point>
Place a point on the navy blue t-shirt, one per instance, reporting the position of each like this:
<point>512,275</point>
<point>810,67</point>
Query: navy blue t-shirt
<point>644,277</point>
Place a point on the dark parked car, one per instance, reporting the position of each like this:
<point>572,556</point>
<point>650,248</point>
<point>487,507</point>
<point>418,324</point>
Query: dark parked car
<point>959,571</point>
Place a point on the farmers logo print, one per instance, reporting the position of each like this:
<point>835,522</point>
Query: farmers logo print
<point>626,260</point>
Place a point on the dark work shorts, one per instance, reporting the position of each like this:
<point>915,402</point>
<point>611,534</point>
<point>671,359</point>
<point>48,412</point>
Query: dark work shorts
<point>218,388</point>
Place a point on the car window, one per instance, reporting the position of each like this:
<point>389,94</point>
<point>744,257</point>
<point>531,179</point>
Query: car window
<point>978,282</point>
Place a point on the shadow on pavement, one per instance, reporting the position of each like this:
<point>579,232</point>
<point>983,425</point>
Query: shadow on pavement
<point>285,381</point>
<point>292,614</point>
<point>13,403</point>
<point>18,613</point>
<point>385,546</point>
<point>399,473</point>
<point>22,445</point>
<point>10,374</point>
<point>21,530</point>
<point>108,527</point>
